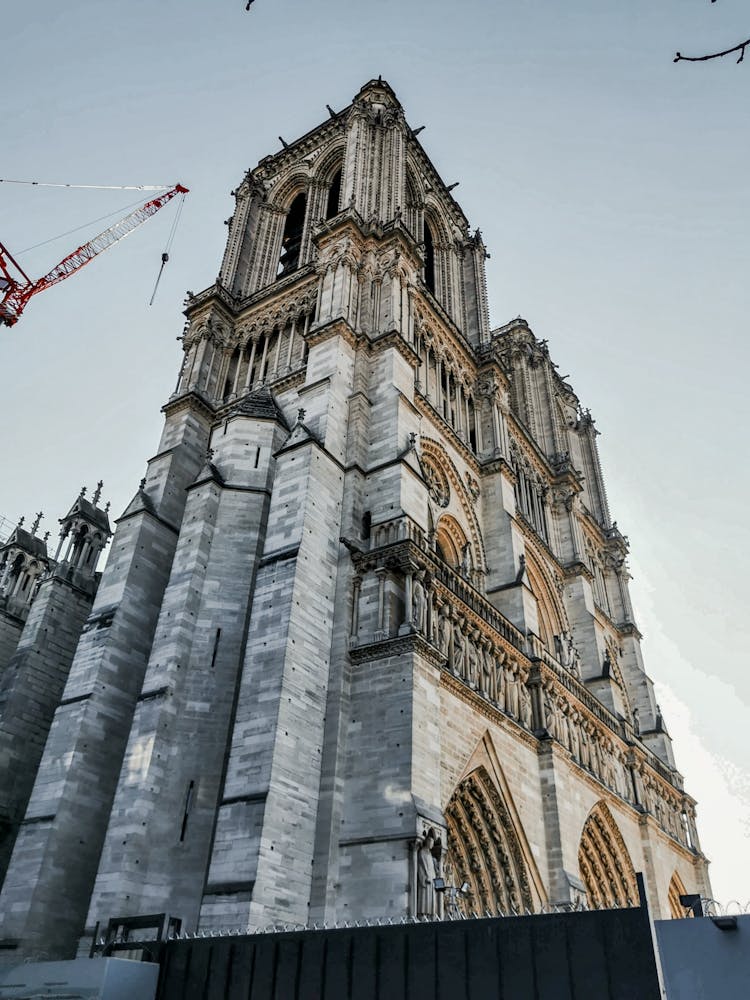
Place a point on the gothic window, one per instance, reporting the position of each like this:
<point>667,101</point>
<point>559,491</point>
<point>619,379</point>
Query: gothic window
<point>291,241</point>
<point>484,849</point>
<point>80,540</point>
<point>429,258</point>
<point>450,542</point>
<point>472,425</point>
<point>604,862</point>
<point>437,483</point>
<point>334,196</point>
<point>530,498</point>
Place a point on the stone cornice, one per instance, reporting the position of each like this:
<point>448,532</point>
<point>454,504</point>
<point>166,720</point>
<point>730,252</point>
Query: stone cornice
<point>215,294</point>
<point>190,400</point>
<point>397,645</point>
<point>392,338</point>
<point>337,327</point>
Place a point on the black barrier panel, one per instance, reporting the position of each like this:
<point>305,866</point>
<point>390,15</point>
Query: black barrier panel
<point>605,955</point>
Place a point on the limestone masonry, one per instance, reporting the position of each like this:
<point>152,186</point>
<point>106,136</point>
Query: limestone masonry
<point>365,623</point>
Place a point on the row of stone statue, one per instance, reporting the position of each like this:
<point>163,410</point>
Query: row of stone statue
<point>593,750</point>
<point>474,658</point>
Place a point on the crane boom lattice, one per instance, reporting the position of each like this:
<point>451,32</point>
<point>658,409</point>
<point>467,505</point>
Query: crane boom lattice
<point>17,288</point>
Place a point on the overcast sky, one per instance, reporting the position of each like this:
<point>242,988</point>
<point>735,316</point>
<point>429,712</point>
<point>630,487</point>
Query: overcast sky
<point>610,184</point>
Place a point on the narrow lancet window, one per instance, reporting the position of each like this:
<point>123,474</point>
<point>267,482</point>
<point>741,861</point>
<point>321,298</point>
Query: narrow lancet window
<point>334,195</point>
<point>429,259</point>
<point>291,241</point>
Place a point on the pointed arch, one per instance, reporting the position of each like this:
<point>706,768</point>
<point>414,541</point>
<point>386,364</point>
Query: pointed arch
<point>676,889</point>
<point>604,862</point>
<point>551,612</point>
<point>459,499</point>
<point>484,849</point>
<point>450,541</point>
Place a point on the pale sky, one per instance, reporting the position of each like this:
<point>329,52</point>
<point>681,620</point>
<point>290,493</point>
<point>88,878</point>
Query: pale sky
<point>610,184</point>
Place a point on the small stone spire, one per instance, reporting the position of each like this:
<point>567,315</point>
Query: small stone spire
<point>107,506</point>
<point>46,536</point>
<point>83,492</point>
<point>20,521</point>
<point>142,484</point>
<point>97,493</point>
<point>35,525</point>
<point>209,454</point>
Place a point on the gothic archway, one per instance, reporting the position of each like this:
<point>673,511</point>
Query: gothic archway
<point>604,862</point>
<point>450,541</point>
<point>551,613</point>
<point>484,850</point>
<point>676,889</point>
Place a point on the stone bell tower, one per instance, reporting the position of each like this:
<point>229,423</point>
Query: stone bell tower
<point>365,622</point>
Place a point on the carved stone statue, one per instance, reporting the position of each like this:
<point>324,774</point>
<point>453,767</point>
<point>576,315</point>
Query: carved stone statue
<point>426,876</point>
<point>585,749</point>
<point>500,679</point>
<point>489,673</point>
<point>512,698</point>
<point>575,746</point>
<point>419,603</point>
<point>550,715</point>
<point>525,702</point>
<point>564,727</point>
<point>459,654</point>
<point>444,634</point>
<point>472,659</point>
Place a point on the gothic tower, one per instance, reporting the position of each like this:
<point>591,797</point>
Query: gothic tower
<point>365,622</point>
<point>52,597</point>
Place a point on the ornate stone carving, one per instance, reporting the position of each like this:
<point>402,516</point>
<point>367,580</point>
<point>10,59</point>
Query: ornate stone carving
<point>437,483</point>
<point>484,850</point>
<point>604,862</point>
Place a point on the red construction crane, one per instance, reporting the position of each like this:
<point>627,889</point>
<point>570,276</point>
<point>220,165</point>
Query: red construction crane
<point>17,288</point>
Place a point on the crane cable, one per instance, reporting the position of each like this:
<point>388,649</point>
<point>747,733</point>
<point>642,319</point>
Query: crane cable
<point>101,218</point>
<point>91,187</point>
<point>167,247</point>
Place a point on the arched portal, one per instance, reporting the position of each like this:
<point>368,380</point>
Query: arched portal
<point>483,848</point>
<point>604,862</point>
<point>676,889</point>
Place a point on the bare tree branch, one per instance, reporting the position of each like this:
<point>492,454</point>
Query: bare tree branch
<point>716,55</point>
<point>740,47</point>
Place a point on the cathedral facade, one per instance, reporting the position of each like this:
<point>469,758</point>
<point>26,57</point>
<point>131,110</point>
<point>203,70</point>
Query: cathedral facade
<point>363,646</point>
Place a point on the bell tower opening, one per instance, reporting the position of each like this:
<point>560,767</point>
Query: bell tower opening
<point>291,241</point>
<point>429,258</point>
<point>334,195</point>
